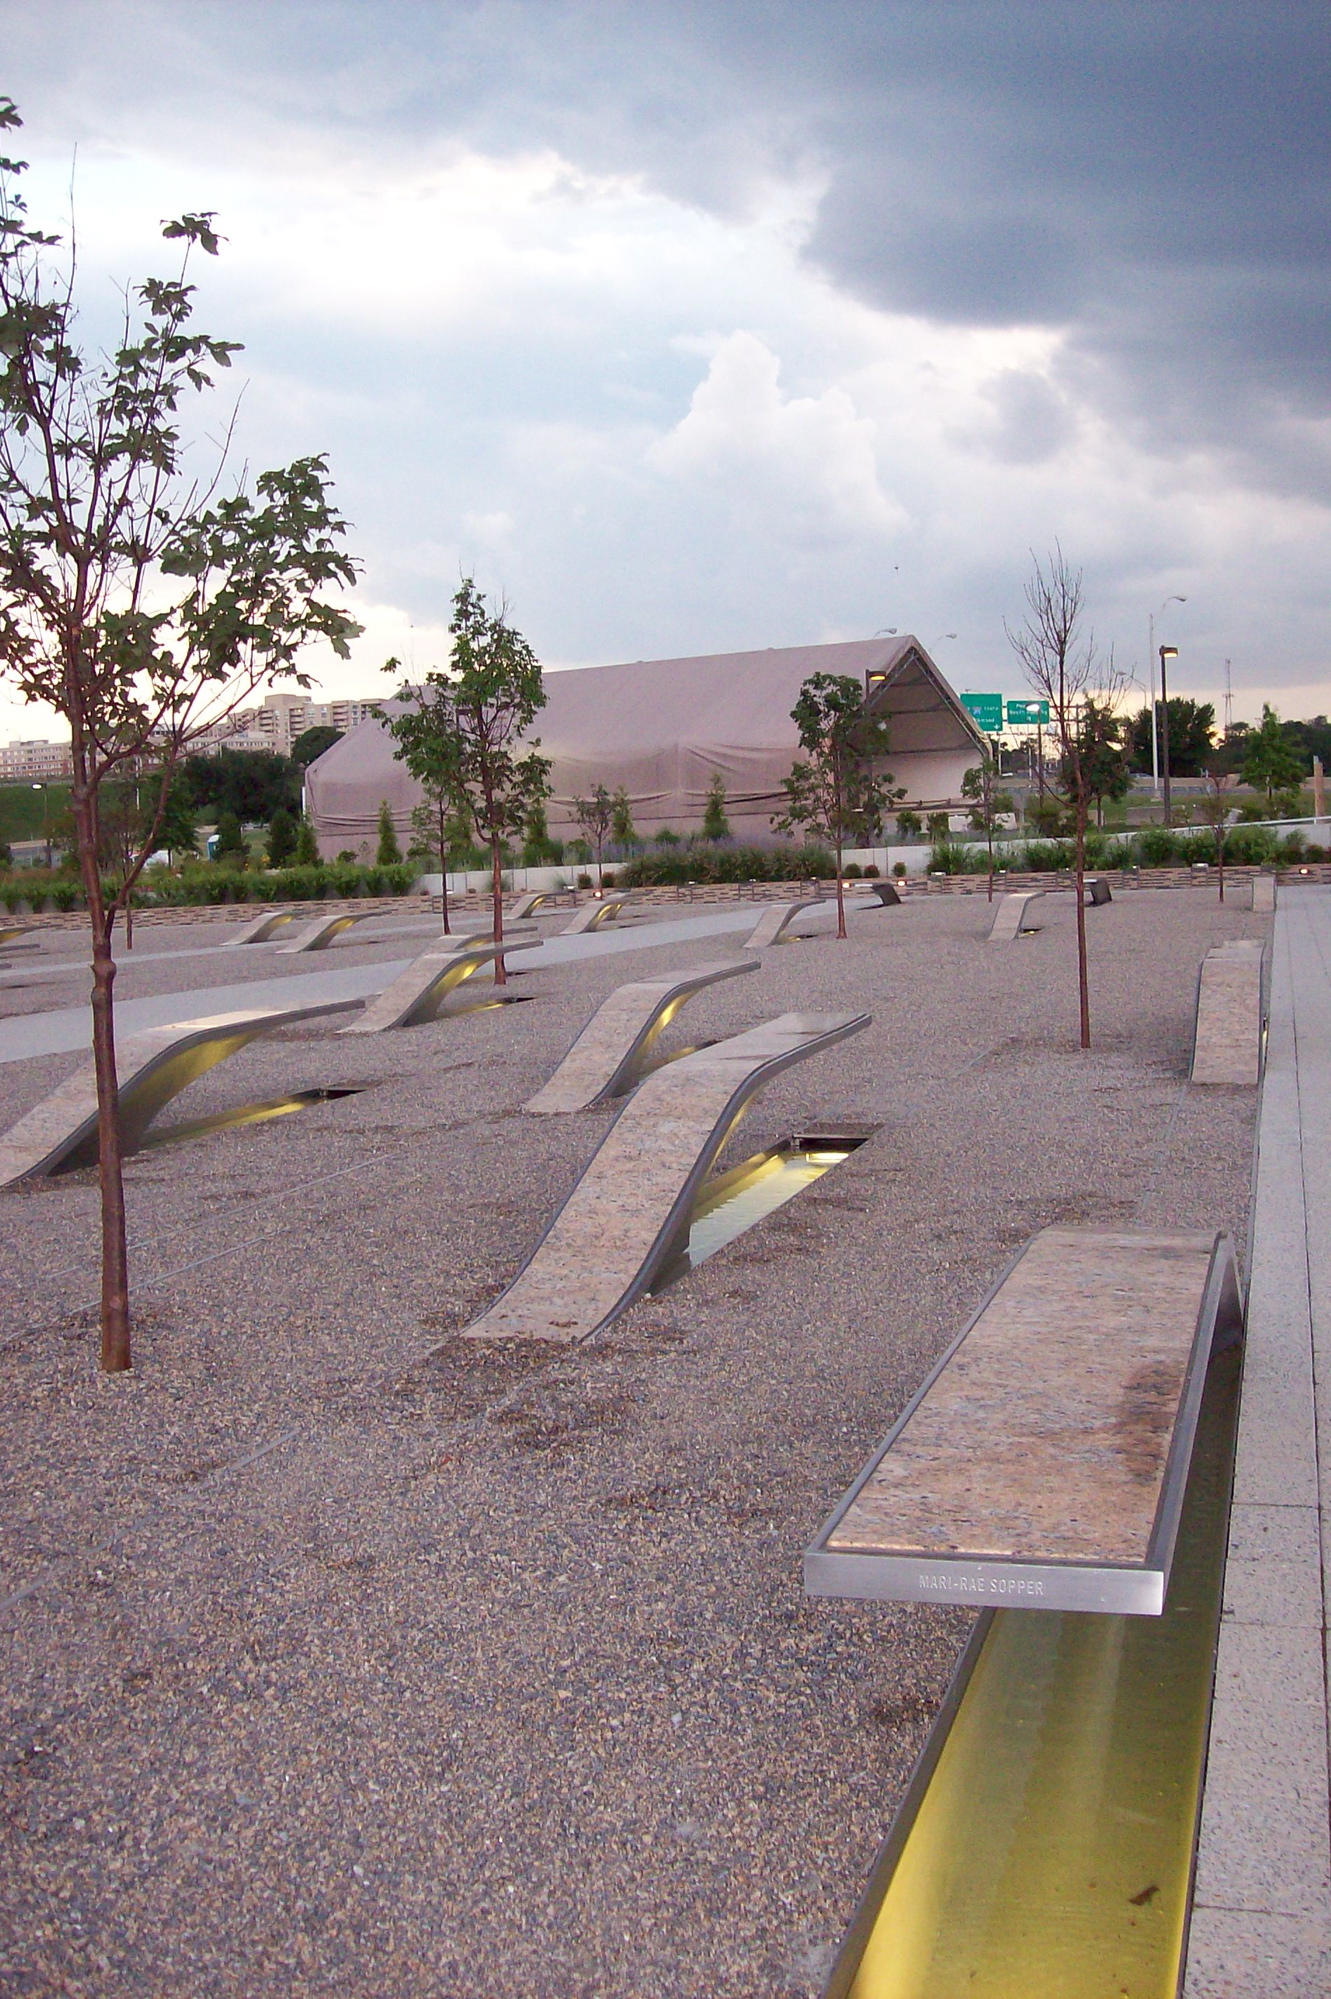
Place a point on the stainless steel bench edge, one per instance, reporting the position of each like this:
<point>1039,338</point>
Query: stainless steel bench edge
<point>133,1128</point>
<point>682,1207</point>
<point>685,988</point>
<point>1070,1585</point>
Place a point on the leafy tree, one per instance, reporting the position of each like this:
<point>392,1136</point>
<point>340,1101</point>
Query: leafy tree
<point>1191,734</point>
<point>135,602</point>
<point>312,743</point>
<point>715,825</point>
<point>834,793</point>
<point>250,783</point>
<point>1103,758</point>
<point>991,804</point>
<point>307,846</point>
<point>1270,764</point>
<point>1062,667</point>
<point>425,731</point>
<point>666,836</point>
<point>938,825</point>
<point>538,849</point>
<point>230,848</point>
<point>909,825</point>
<point>468,744</point>
<point>596,815</point>
<point>281,838</point>
<point>389,853</point>
<point>622,830</point>
<point>178,827</point>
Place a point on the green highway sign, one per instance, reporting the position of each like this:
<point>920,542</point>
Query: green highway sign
<point>987,710</point>
<point>1027,714</point>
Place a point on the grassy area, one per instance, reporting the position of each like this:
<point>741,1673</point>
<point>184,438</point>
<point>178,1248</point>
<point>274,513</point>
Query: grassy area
<point>21,809</point>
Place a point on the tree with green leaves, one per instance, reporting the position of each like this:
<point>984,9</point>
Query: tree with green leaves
<point>596,815</point>
<point>1214,809</point>
<point>1191,734</point>
<point>1104,759</point>
<point>715,825</point>
<point>622,829</point>
<point>250,783</point>
<point>472,743</point>
<point>307,846</point>
<point>136,602</point>
<point>990,804</point>
<point>1270,763</point>
<point>281,838</point>
<point>230,848</point>
<point>312,743</point>
<point>909,824</point>
<point>388,853</point>
<point>834,792</point>
<point>425,731</point>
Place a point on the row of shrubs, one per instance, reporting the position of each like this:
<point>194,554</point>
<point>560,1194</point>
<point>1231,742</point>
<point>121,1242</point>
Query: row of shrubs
<point>1152,847</point>
<point>715,863</point>
<point>36,889</point>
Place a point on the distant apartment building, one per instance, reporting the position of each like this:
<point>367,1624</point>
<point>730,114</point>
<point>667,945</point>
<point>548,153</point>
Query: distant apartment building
<point>34,761</point>
<point>280,720</point>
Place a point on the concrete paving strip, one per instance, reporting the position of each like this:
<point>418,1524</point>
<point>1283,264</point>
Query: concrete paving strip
<point>69,1029</point>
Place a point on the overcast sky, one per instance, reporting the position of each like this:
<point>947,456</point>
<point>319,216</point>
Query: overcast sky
<point>705,327</point>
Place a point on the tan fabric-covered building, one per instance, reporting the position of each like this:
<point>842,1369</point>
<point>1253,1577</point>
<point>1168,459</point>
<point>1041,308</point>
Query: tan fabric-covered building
<point>664,727</point>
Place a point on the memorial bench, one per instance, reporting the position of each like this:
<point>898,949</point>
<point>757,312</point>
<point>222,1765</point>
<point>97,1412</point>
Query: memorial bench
<point>774,921</point>
<point>1227,1036</point>
<point>630,1213</point>
<point>420,989</point>
<point>154,1065</point>
<point>1263,895</point>
<point>1042,1463</point>
<point>593,914</point>
<point>319,934</point>
<point>528,904</point>
<point>614,1049</point>
<point>886,893</point>
<point>260,928</point>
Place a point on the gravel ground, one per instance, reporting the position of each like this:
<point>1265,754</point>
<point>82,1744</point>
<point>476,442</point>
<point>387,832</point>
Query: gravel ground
<point>345,1657</point>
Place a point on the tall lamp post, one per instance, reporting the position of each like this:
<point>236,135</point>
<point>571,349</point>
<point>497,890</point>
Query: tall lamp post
<point>1166,652</point>
<point>46,821</point>
<point>1150,660</point>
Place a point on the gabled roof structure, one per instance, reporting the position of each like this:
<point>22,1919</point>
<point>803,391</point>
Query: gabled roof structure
<point>664,728</point>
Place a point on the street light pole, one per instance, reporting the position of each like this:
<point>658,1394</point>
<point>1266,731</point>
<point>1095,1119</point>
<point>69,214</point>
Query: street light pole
<point>1150,660</point>
<point>1166,652</point>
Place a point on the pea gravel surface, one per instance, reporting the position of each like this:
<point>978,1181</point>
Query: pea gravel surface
<point>346,1656</point>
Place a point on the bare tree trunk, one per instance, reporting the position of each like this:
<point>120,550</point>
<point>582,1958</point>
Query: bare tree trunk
<point>116,1357</point>
<point>1220,858</point>
<point>840,894</point>
<point>443,861</point>
<point>1083,980</point>
<point>497,905</point>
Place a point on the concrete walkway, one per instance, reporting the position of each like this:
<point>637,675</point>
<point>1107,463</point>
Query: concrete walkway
<point>1261,1925</point>
<point>70,1028</point>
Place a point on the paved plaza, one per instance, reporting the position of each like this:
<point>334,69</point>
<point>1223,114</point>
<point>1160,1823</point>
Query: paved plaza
<point>348,1655</point>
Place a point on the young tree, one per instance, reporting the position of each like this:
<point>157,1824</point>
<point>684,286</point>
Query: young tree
<point>388,853</point>
<point>909,825</point>
<point>596,815</point>
<point>426,733</point>
<point>1270,764</point>
<point>307,847</point>
<point>281,838</point>
<point>990,807</point>
<point>1214,809</point>
<point>836,794</point>
<point>139,606</point>
<point>1106,764</point>
<point>230,848</point>
<point>938,825</point>
<point>477,712</point>
<point>715,825</point>
<point>622,829</point>
<point>1062,667</point>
